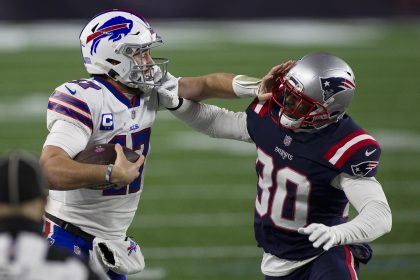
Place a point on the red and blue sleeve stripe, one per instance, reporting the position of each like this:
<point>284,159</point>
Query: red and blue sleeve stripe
<point>72,101</point>
<point>66,111</point>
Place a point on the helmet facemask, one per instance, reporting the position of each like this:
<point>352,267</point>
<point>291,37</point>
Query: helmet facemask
<point>314,93</point>
<point>145,71</point>
<point>292,109</point>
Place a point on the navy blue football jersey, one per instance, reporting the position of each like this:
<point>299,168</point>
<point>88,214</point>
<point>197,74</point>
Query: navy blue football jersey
<point>295,171</point>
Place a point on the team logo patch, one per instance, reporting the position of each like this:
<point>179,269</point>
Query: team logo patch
<point>363,168</point>
<point>50,241</point>
<point>116,28</point>
<point>334,85</point>
<point>72,92</point>
<point>287,140</point>
<point>99,149</point>
<point>107,122</point>
<point>132,248</point>
<point>77,250</point>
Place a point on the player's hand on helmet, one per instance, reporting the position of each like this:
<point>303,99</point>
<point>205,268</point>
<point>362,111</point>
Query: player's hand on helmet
<point>168,91</point>
<point>320,235</point>
<point>124,172</point>
<point>267,82</point>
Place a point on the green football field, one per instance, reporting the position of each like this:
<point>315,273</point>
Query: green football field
<point>195,217</point>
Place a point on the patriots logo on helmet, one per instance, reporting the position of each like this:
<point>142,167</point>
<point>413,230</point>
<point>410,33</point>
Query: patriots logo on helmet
<point>115,28</point>
<point>334,85</point>
<point>363,168</point>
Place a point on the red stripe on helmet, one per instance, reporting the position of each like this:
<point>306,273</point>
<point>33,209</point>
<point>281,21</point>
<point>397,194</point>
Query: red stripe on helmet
<point>105,30</point>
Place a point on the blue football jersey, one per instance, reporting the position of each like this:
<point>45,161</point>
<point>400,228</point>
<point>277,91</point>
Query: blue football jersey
<point>295,172</point>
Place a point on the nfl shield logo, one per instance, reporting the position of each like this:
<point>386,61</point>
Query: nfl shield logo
<point>77,250</point>
<point>287,140</point>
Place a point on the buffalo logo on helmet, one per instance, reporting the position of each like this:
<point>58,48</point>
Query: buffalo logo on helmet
<point>115,28</point>
<point>334,85</point>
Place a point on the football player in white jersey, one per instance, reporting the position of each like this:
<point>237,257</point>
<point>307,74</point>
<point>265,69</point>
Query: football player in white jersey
<point>117,104</point>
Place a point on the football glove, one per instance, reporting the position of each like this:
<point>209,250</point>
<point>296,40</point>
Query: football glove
<point>168,92</point>
<point>319,235</point>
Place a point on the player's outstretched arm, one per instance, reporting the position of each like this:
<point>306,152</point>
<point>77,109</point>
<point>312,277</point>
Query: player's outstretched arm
<point>63,173</point>
<point>228,85</point>
<point>218,85</point>
<point>213,121</point>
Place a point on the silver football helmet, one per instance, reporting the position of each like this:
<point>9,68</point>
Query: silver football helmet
<point>117,44</point>
<point>315,92</point>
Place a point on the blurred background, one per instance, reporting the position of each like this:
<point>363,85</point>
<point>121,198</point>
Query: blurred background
<point>195,216</point>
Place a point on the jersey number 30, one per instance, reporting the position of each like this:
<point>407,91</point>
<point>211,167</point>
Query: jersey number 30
<point>282,195</point>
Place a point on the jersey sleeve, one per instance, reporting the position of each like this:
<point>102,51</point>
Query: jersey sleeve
<point>68,103</point>
<point>256,110</point>
<point>356,154</point>
<point>213,121</point>
<point>67,136</point>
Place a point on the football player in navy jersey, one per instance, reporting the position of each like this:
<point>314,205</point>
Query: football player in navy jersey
<point>313,161</point>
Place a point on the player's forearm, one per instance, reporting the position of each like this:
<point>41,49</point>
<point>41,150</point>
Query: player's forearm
<point>66,174</point>
<point>217,85</point>
<point>213,121</point>
<point>373,221</point>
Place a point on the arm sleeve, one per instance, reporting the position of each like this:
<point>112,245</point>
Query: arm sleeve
<point>374,217</point>
<point>214,121</point>
<point>67,136</point>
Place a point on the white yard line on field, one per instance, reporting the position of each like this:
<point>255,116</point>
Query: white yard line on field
<point>33,108</point>
<point>192,220</point>
<point>149,273</point>
<point>199,34</point>
<point>190,140</point>
<point>219,252</point>
<point>396,250</point>
<point>229,219</point>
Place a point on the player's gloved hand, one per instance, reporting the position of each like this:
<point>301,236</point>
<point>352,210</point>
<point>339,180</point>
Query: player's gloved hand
<point>168,91</point>
<point>124,172</point>
<point>320,234</point>
<point>267,82</point>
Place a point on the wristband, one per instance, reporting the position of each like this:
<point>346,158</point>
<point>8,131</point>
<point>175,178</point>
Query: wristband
<point>244,86</point>
<point>108,173</point>
<point>180,100</point>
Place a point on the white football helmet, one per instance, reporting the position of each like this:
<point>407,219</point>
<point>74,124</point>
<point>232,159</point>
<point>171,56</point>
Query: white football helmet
<point>109,42</point>
<point>315,92</point>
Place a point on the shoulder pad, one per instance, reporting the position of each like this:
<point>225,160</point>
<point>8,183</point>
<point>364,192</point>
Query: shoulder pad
<point>69,102</point>
<point>356,154</point>
<point>258,107</point>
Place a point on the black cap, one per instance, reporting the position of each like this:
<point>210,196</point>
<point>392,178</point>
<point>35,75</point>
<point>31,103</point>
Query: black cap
<point>21,178</point>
